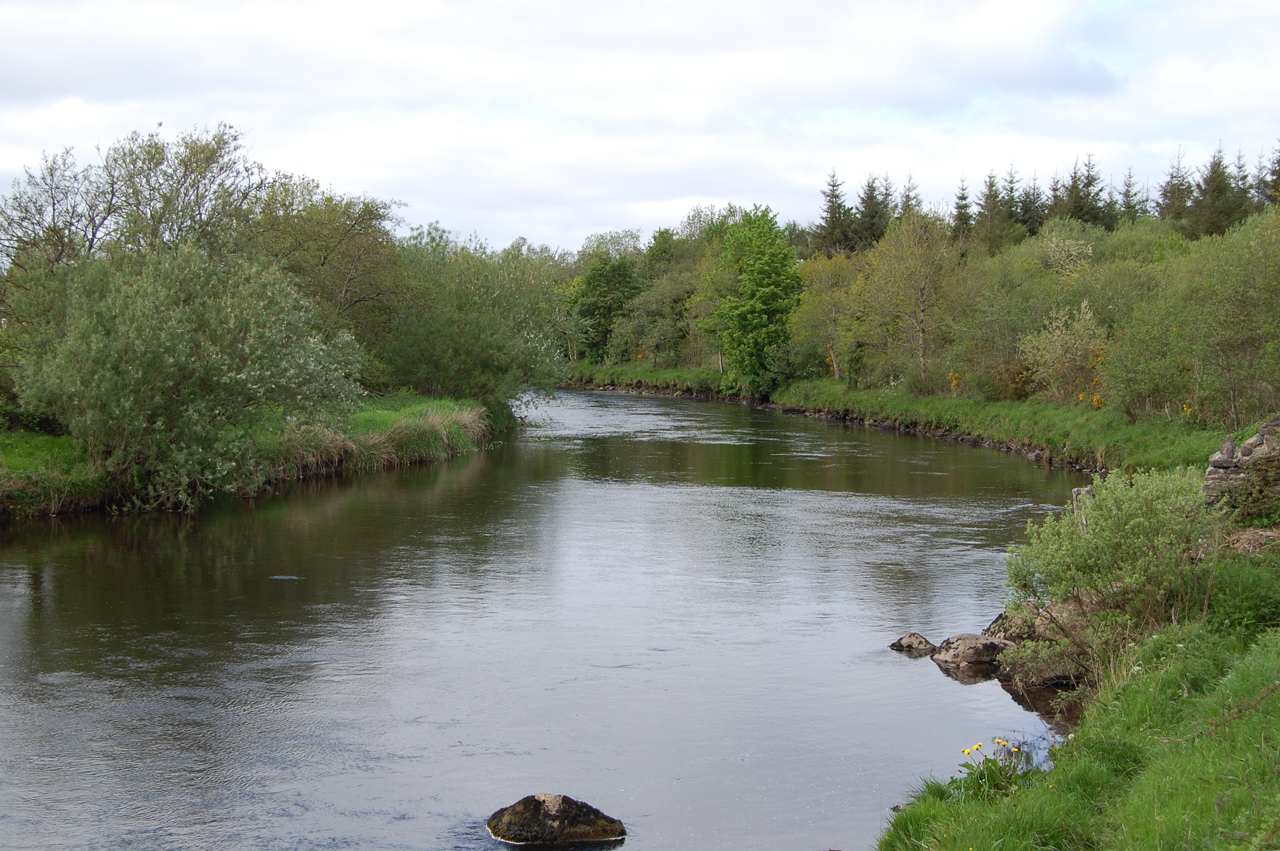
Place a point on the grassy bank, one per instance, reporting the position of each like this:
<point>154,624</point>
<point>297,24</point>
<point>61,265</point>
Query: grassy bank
<point>1180,748</point>
<point>46,475</point>
<point>1097,439</point>
<point>1176,626</point>
<point>1093,439</point>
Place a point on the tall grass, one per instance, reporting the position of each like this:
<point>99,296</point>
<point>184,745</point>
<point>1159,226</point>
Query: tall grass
<point>388,432</point>
<point>44,474</point>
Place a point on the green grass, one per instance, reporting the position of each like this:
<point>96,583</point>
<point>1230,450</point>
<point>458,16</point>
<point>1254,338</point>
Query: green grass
<point>25,452</point>
<point>45,475</point>
<point>1094,438</point>
<point>382,412</point>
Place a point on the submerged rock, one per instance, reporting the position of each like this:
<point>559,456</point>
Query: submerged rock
<point>968,648</point>
<point>538,819</point>
<point>915,645</point>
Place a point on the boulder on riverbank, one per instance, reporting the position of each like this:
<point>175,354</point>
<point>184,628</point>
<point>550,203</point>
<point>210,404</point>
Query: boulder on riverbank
<point>968,648</point>
<point>548,819</point>
<point>915,645</point>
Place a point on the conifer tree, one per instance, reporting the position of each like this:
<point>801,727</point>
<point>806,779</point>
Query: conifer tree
<point>1010,189</point>
<point>835,231</point>
<point>993,224</point>
<point>1266,186</point>
<point>962,213</point>
<point>1081,195</point>
<point>1032,207</point>
<point>1135,202</point>
<point>909,201</point>
<point>1175,192</point>
<point>873,213</point>
<point>1219,202</point>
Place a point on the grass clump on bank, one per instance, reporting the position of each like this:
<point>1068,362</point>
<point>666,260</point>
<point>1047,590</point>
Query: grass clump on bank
<point>386,432</point>
<point>45,474</point>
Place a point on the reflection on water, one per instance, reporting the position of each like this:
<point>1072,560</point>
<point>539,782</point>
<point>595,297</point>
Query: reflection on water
<point>675,611</point>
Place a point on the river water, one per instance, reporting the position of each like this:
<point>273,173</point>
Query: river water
<point>677,611</point>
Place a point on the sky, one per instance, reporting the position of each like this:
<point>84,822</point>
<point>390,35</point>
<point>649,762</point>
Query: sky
<point>558,119</point>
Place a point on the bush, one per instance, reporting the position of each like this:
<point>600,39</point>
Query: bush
<point>165,364</point>
<point>1062,356</point>
<point>1131,549</point>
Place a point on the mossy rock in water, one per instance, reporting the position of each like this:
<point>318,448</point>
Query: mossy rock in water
<point>546,819</point>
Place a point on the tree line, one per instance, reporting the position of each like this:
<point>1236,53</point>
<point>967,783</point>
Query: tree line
<point>173,305</point>
<point>1163,302</point>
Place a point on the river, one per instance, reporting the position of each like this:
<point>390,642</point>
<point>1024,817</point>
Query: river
<point>677,611</point>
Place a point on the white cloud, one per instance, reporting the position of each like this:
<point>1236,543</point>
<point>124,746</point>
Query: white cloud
<point>554,120</point>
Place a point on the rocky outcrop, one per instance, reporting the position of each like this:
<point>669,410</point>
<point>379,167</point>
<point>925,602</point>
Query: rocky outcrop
<point>1230,467</point>
<point>915,645</point>
<point>547,819</point>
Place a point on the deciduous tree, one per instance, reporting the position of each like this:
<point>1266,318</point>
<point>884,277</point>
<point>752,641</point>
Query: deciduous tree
<point>752,322</point>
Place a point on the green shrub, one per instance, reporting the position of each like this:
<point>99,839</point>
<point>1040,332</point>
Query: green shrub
<point>1131,549</point>
<point>1061,357</point>
<point>163,364</point>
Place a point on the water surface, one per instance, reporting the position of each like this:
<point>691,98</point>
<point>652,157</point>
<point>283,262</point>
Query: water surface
<point>676,611</point>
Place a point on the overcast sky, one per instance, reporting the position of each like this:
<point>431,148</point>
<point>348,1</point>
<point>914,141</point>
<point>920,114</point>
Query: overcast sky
<point>557,119</point>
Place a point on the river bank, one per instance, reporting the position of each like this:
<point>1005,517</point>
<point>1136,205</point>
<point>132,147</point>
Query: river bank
<point>1077,437</point>
<point>46,475</point>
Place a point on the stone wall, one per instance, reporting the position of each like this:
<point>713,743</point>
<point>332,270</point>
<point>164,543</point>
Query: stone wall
<point>1231,466</point>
